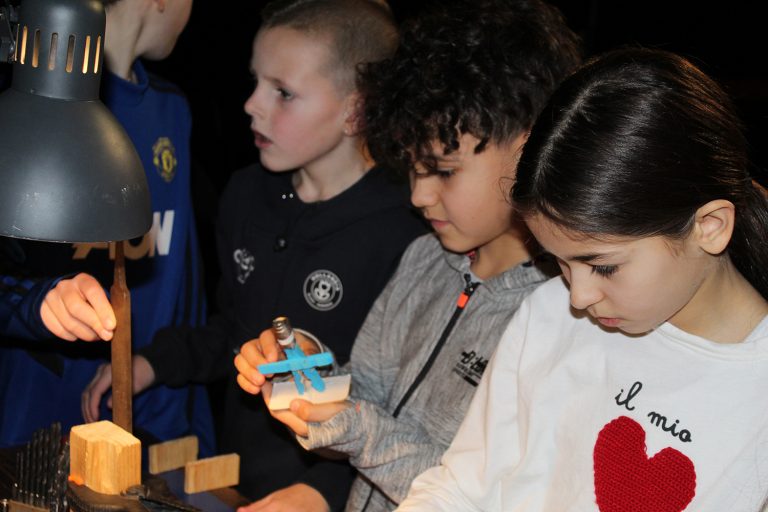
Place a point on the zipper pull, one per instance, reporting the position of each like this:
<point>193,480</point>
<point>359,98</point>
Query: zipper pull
<point>469,289</point>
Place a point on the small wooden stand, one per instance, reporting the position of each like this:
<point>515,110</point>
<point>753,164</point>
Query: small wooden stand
<point>104,457</point>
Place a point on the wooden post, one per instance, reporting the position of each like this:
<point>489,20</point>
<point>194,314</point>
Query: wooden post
<point>122,386</point>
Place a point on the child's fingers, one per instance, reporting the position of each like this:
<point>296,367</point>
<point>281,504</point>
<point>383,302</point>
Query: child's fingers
<point>91,397</point>
<point>251,354</point>
<point>52,323</point>
<point>285,416</point>
<point>81,319</point>
<point>57,317</point>
<point>247,385</point>
<point>263,349</point>
<point>268,346</point>
<point>97,298</point>
<point>248,371</point>
<point>86,301</point>
<point>79,308</point>
<point>292,421</point>
<point>316,413</point>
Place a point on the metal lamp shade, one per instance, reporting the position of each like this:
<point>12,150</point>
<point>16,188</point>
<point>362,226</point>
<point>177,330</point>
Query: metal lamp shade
<point>68,171</point>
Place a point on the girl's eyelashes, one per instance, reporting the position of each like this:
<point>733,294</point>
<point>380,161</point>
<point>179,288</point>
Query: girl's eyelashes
<point>440,173</point>
<point>605,270</point>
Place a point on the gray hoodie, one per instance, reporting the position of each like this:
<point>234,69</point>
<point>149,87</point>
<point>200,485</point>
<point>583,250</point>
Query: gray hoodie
<point>392,439</point>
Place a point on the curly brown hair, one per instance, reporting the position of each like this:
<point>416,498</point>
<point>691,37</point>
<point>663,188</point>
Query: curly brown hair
<point>483,67</point>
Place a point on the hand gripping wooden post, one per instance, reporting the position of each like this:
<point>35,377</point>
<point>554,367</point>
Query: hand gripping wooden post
<point>122,386</point>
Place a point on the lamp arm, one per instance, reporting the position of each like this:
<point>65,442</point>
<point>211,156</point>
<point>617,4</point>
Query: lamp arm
<point>8,15</point>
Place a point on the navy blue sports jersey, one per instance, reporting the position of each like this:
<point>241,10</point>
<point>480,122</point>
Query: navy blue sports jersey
<point>41,379</point>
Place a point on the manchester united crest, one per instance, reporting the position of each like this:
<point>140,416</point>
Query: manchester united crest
<point>164,158</point>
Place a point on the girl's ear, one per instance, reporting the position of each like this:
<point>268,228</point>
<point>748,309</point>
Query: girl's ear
<point>714,225</point>
<point>353,108</point>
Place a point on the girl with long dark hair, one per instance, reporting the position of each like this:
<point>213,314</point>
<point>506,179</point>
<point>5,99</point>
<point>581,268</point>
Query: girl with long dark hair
<point>637,382</point>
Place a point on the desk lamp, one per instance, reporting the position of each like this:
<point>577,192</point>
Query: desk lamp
<point>68,171</point>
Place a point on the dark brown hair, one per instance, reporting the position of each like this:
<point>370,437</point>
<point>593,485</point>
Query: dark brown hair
<point>632,145</point>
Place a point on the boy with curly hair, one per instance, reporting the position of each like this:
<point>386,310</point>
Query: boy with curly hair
<point>452,108</point>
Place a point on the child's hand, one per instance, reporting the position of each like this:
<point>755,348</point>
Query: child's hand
<point>297,497</point>
<point>78,308</point>
<point>143,376</point>
<point>261,350</point>
<point>303,412</point>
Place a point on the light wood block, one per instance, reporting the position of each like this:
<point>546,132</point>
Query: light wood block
<point>104,457</point>
<point>172,454</point>
<point>212,473</point>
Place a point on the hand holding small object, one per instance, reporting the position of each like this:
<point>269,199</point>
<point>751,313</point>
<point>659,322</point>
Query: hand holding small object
<point>78,308</point>
<point>143,377</point>
<point>302,412</point>
<point>262,350</point>
<point>297,361</point>
<point>260,358</point>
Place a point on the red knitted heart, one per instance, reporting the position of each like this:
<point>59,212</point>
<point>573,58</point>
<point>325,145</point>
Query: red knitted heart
<point>626,480</point>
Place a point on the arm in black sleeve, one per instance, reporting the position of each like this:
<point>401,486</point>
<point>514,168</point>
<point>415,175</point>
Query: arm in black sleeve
<point>183,354</point>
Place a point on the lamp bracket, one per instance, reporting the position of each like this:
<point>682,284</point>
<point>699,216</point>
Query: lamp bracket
<point>8,15</point>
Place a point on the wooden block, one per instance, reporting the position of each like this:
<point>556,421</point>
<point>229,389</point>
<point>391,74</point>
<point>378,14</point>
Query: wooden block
<point>212,473</point>
<point>104,457</point>
<point>172,454</point>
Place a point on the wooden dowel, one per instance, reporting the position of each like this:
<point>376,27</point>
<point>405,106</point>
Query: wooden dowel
<point>121,345</point>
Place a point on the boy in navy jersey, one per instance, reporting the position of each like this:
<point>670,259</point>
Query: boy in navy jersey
<point>41,378</point>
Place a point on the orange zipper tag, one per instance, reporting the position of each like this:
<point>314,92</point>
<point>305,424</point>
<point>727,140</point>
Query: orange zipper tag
<point>463,298</point>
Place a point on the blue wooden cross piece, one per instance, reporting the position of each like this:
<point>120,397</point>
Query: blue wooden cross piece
<point>297,362</point>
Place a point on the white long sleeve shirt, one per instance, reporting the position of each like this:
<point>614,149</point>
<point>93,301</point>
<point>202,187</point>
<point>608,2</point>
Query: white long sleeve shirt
<point>573,417</point>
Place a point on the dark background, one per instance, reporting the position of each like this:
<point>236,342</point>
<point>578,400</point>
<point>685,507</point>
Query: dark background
<point>210,63</point>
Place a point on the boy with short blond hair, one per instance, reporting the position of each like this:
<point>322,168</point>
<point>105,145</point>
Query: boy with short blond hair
<point>314,234</point>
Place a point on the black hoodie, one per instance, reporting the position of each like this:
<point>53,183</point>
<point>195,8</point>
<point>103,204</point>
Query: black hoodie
<point>322,265</point>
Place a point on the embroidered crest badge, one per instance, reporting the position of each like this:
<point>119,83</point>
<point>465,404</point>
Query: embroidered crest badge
<point>164,158</point>
<point>323,290</point>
